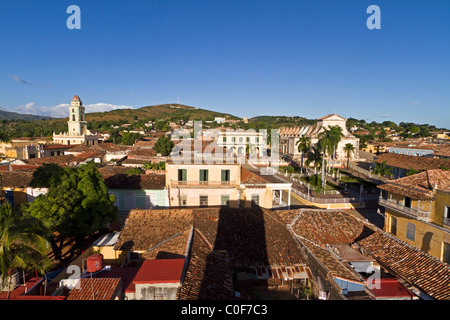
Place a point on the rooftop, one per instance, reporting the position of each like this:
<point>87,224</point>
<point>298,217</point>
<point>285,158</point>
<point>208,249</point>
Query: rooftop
<point>320,228</point>
<point>412,162</point>
<point>96,289</point>
<point>208,276</point>
<point>160,271</point>
<point>420,186</point>
<point>151,181</point>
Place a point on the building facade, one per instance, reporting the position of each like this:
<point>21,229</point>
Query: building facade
<point>233,185</point>
<point>417,211</point>
<point>289,137</point>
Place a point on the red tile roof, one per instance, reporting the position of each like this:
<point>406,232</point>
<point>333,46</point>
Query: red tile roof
<point>407,162</point>
<point>96,289</point>
<point>413,265</point>
<point>160,271</point>
<point>208,276</point>
<point>391,288</point>
<point>420,185</point>
<point>318,228</point>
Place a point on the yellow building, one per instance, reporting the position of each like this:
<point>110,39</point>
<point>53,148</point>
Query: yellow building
<point>18,148</point>
<point>375,148</point>
<point>417,211</point>
<point>234,185</point>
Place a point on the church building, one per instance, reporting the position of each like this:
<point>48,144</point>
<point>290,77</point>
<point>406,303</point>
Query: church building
<point>78,132</point>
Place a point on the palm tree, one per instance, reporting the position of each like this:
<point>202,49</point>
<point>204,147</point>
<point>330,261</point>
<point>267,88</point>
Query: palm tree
<point>325,145</point>
<point>314,156</point>
<point>348,148</point>
<point>303,145</point>
<point>23,242</point>
<point>382,170</point>
<point>335,135</point>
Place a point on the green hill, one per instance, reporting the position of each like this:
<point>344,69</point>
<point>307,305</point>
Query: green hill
<point>280,121</point>
<point>159,112</point>
<point>7,115</point>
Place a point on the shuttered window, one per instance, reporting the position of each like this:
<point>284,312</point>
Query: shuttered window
<point>225,175</point>
<point>182,174</point>
<point>203,175</point>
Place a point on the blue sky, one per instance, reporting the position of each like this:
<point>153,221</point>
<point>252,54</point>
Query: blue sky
<point>247,58</point>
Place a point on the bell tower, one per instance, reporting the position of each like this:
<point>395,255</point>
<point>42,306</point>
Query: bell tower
<point>77,123</point>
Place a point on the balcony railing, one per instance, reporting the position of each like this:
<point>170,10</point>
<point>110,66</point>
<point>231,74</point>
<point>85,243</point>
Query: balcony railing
<point>414,212</point>
<point>217,184</point>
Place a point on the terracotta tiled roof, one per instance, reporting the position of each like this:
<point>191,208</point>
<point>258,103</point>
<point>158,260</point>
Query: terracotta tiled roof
<point>88,155</point>
<point>80,148</point>
<point>96,289</point>
<point>56,146</point>
<point>175,247</point>
<point>248,177</point>
<point>112,170</point>
<point>18,167</point>
<point>145,229</point>
<point>141,153</point>
<point>110,147</point>
<point>420,185</point>
<point>413,265</point>
<point>16,179</point>
<point>251,237</point>
<point>64,160</point>
<point>324,227</point>
<point>208,276</point>
<point>335,268</point>
<point>150,181</point>
<point>417,163</point>
<point>317,228</point>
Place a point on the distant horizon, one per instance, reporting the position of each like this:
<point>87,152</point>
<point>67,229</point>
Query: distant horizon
<point>65,106</point>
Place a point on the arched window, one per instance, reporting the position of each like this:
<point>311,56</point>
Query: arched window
<point>73,117</point>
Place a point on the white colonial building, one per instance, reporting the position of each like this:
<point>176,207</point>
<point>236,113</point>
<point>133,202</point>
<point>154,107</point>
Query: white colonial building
<point>290,135</point>
<point>236,142</point>
<point>78,132</point>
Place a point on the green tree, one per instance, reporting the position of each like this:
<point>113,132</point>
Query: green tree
<point>115,136</point>
<point>76,206</point>
<point>314,156</point>
<point>129,138</point>
<point>46,175</point>
<point>303,146</point>
<point>134,171</point>
<point>349,148</point>
<point>23,242</point>
<point>164,146</point>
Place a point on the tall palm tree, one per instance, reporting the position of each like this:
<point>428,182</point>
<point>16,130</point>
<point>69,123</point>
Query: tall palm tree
<point>349,148</point>
<point>382,170</point>
<point>335,135</point>
<point>325,145</point>
<point>314,156</point>
<point>303,146</point>
<point>23,242</point>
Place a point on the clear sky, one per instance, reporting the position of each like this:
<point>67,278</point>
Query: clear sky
<point>248,58</point>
